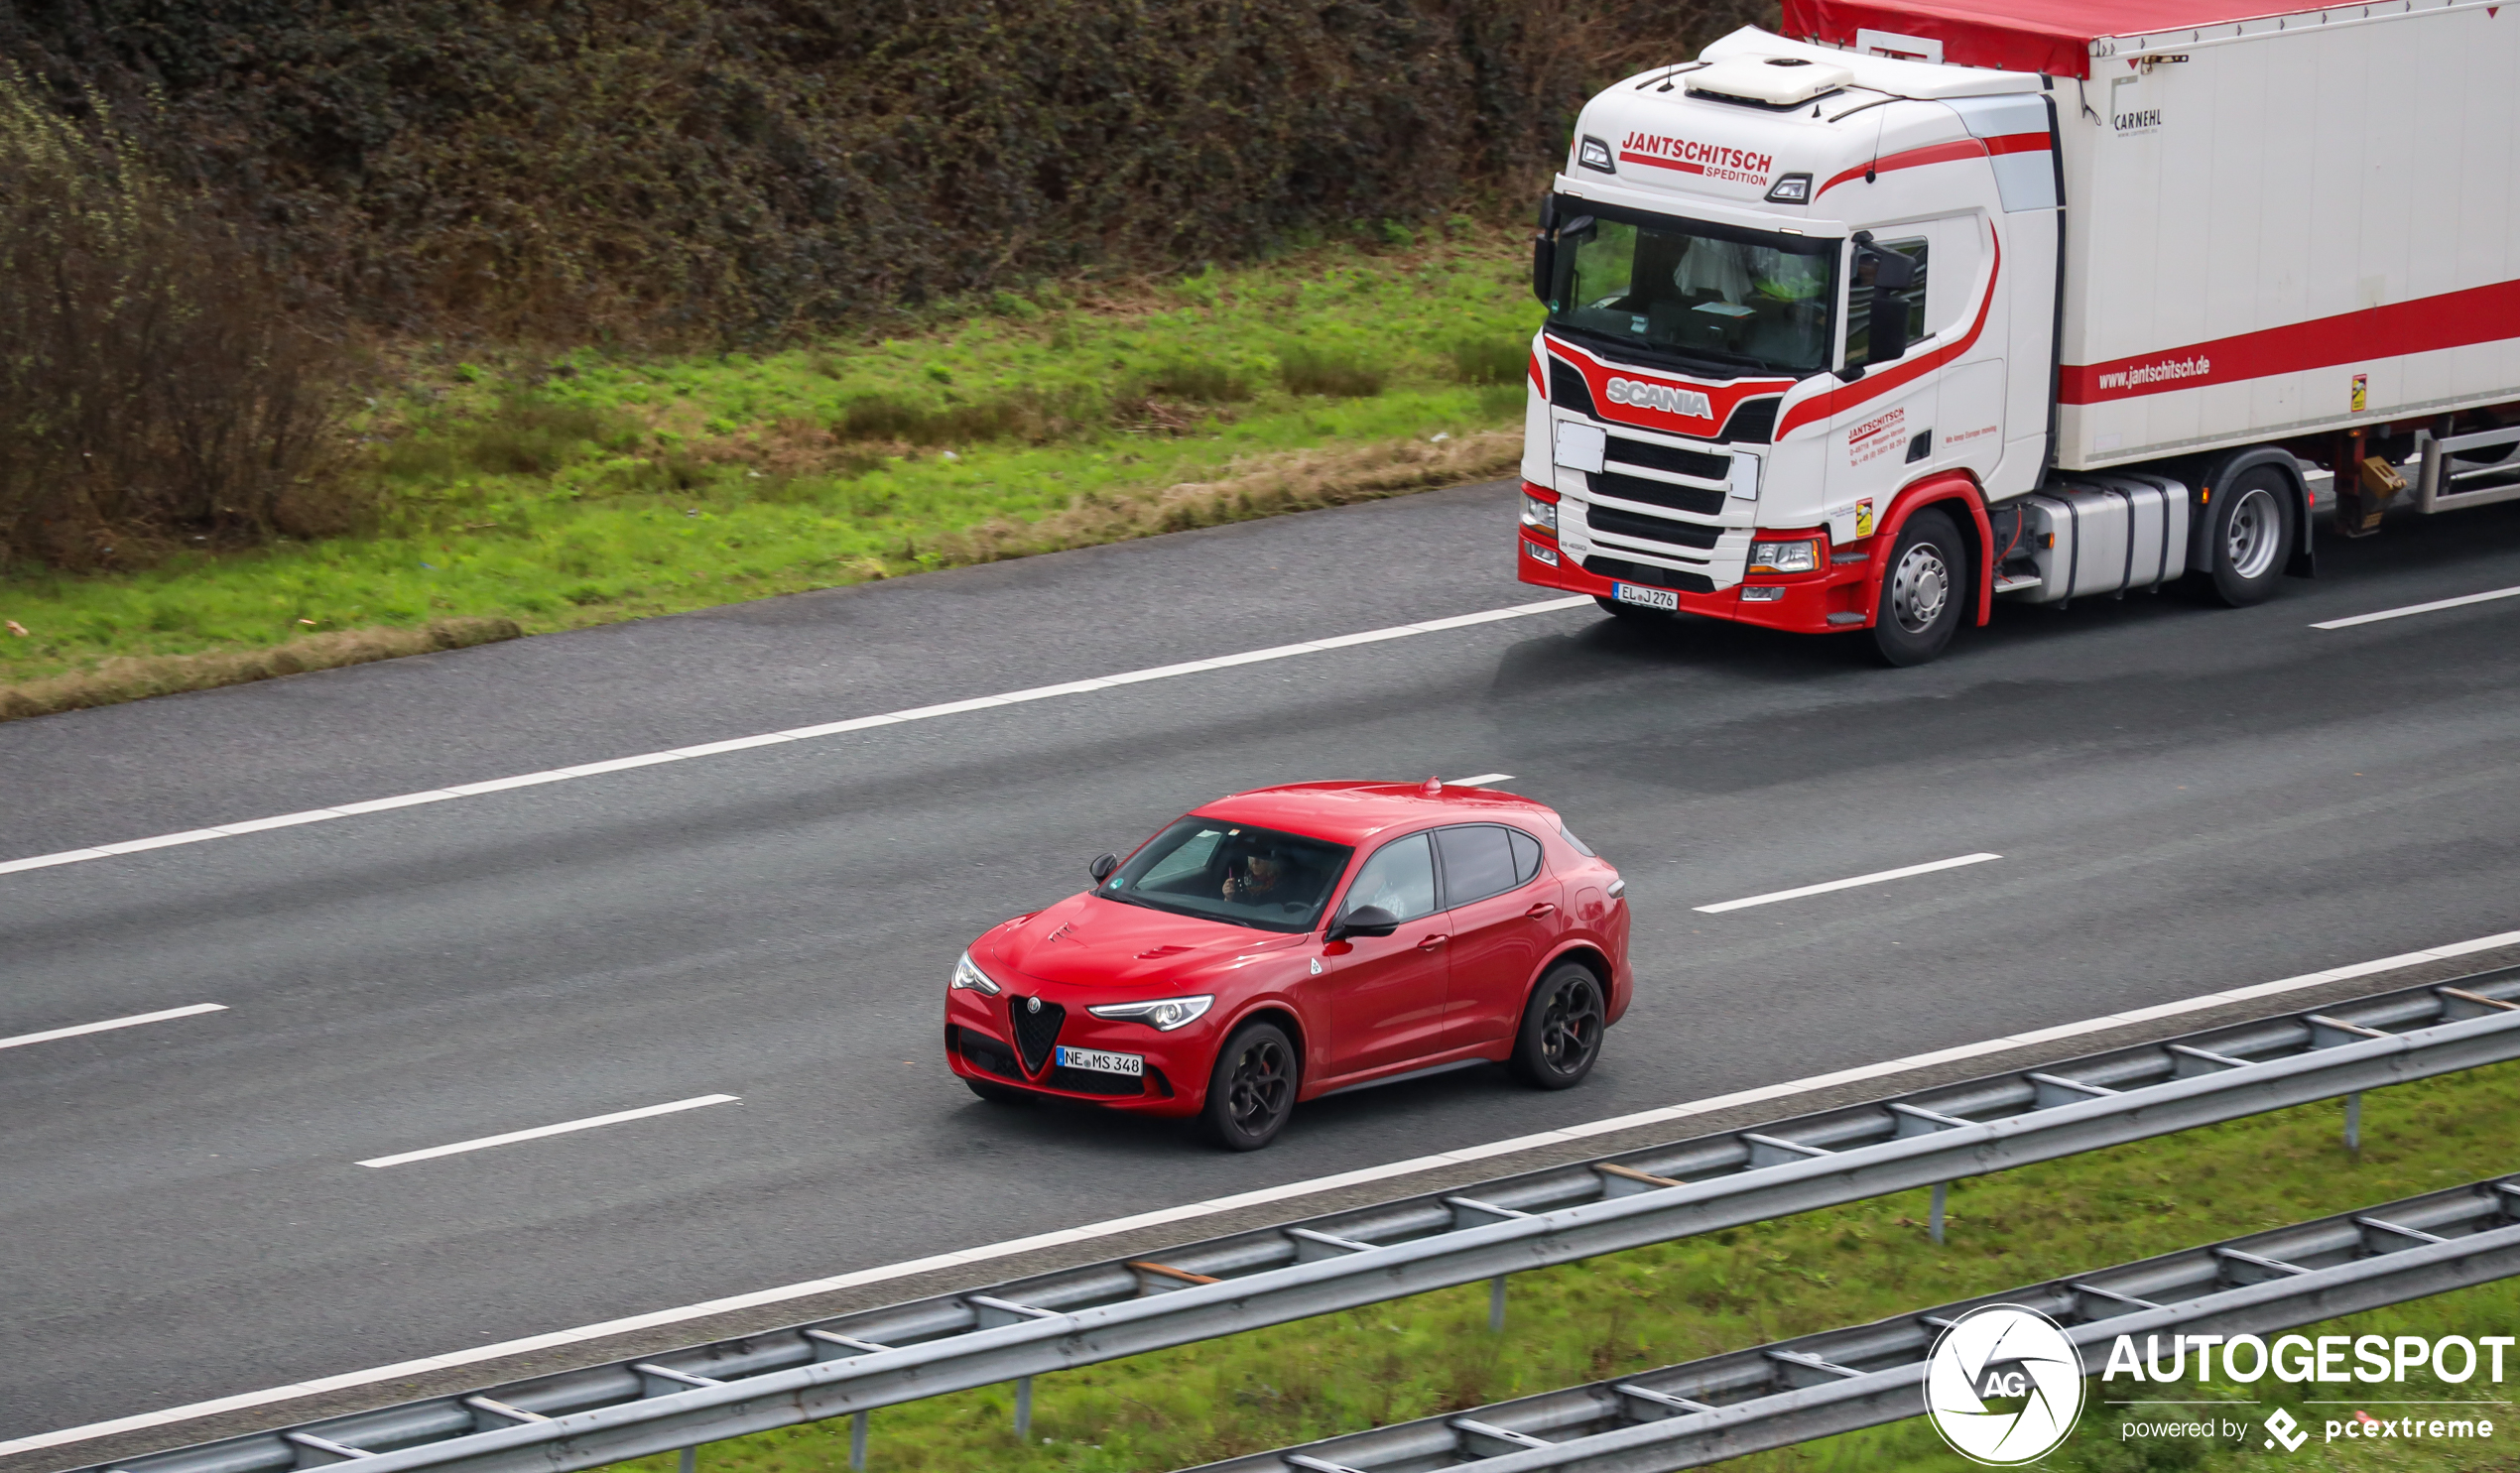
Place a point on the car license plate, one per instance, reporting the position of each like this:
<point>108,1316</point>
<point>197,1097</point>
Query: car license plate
<point>1102,1061</point>
<point>1652,599</point>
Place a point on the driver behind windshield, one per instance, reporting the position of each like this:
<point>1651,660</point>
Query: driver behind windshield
<point>1257,878</point>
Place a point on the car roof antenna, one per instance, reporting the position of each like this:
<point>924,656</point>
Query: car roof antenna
<point>1433,788</point>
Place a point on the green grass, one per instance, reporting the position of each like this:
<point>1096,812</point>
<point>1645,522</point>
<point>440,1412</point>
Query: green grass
<point>1741,1288</point>
<point>599,488</point>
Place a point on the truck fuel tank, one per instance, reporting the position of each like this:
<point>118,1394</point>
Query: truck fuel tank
<point>2103,533</point>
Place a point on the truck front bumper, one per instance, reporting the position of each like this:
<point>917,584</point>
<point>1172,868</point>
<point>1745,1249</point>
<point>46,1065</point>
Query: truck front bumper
<point>1836,598</point>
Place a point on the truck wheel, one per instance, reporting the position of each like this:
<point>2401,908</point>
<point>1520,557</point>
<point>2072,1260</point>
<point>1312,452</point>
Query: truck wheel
<point>1252,1091</point>
<point>2250,533</point>
<point>1562,1028</point>
<point>1925,594</point>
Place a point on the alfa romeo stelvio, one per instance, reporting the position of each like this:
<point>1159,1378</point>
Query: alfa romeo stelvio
<point>1290,942</point>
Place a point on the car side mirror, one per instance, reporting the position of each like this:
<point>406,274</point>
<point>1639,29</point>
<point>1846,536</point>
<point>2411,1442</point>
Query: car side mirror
<point>1364,920</point>
<point>1102,866</point>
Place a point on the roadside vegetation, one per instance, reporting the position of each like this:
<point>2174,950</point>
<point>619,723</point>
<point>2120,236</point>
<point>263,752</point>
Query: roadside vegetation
<point>1632,1311</point>
<point>517,494</point>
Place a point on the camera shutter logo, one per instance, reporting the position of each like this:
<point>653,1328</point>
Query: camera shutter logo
<point>2003,1353</point>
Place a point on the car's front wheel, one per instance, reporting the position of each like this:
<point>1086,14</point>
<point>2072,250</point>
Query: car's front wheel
<point>1252,1091</point>
<point>1562,1028</point>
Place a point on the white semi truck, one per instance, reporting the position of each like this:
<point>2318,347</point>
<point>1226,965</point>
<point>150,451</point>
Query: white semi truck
<point>1923,304</point>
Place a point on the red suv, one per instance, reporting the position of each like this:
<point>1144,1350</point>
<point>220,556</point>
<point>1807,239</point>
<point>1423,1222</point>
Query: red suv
<point>1291,943</point>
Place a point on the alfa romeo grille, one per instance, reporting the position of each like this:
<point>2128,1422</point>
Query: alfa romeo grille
<point>1035,1030</point>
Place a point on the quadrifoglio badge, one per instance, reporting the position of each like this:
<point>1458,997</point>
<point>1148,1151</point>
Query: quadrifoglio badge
<point>2004,1388</point>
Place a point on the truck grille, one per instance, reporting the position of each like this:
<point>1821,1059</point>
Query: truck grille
<point>1648,574</point>
<point>1035,1033</point>
<point>1679,462</point>
<point>1617,523</point>
<point>1704,501</point>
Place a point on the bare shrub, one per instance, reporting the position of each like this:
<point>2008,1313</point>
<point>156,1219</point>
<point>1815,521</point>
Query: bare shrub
<point>152,380</point>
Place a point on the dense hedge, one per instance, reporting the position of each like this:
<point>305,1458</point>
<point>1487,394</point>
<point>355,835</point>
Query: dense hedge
<point>558,169</point>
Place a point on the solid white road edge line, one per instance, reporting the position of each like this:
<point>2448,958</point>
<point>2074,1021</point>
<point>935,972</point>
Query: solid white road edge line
<point>1193,1210</point>
<point>562,1129</point>
<point>796,734</point>
<point>1481,780</point>
<point>134,1021</point>
<point>1871,879</point>
<point>2420,608</point>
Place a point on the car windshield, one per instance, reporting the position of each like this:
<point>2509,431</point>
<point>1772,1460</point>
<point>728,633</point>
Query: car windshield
<point>1736,298</point>
<point>1220,870</point>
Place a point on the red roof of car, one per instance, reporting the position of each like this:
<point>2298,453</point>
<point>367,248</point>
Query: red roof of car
<point>1352,812</point>
<point>2049,35</point>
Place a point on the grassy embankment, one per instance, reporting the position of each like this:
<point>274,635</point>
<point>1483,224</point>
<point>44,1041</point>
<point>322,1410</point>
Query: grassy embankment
<point>546,496</point>
<point>1631,1311</point>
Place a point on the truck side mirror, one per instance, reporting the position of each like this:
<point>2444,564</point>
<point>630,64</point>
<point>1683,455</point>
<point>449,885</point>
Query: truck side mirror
<point>1102,866</point>
<point>1889,340</point>
<point>1544,264</point>
<point>1364,920</point>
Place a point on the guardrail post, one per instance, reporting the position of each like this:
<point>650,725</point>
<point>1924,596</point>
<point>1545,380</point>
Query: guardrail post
<point>1496,1306</point>
<point>2353,1122</point>
<point>858,1443</point>
<point>1024,1408</point>
<point>1941,1199</point>
<point>690,1458</point>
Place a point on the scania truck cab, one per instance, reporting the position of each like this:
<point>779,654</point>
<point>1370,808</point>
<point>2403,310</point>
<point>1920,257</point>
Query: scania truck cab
<point>1830,347</point>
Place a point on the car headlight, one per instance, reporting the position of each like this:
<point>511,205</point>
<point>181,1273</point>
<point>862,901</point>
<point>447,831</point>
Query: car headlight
<point>968,974</point>
<point>1163,1014</point>
<point>1798,556</point>
<point>1540,514</point>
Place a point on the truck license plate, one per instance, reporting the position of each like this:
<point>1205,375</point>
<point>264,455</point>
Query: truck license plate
<point>1102,1061</point>
<point>1652,599</point>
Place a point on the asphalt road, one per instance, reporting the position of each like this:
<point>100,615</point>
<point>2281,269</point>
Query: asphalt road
<point>2186,799</point>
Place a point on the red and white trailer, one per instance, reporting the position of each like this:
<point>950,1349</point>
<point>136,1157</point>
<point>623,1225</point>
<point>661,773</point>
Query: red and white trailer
<point>1926,302</point>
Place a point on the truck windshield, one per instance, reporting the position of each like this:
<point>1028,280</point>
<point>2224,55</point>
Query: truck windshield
<point>1736,298</point>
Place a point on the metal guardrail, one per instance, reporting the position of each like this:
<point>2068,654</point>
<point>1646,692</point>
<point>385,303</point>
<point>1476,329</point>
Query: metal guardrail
<point>854,1363</point>
<point>1837,1381</point>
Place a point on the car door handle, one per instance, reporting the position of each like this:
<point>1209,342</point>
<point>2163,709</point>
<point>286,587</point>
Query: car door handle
<point>1431,942</point>
<point>1540,910</point>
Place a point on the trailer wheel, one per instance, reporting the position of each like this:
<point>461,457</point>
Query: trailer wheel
<point>1924,593</point>
<point>2249,535</point>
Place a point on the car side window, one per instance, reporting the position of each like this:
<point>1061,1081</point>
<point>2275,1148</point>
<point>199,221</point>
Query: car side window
<point>1400,878</point>
<point>1526,857</point>
<point>1479,861</point>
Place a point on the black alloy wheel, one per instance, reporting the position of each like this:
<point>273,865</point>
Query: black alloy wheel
<point>1252,1092</point>
<point>1926,593</point>
<point>1562,1029</point>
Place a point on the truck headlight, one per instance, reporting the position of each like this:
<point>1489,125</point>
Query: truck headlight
<point>1163,1014</point>
<point>1798,556</point>
<point>967,976</point>
<point>1540,514</point>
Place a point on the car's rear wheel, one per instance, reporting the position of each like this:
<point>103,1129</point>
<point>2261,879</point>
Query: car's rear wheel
<point>1562,1028</point>
<point>1252,1091</point>
<point>997,1095</point>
